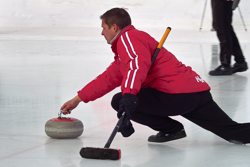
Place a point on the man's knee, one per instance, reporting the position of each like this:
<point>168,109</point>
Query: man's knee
<point>115,101</point>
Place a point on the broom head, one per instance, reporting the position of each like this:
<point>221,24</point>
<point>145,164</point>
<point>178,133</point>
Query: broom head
<point>100,153</point>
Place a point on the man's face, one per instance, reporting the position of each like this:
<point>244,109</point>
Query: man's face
<point>109,33</point>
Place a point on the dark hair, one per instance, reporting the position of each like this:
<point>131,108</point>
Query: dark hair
<point>118,16</point>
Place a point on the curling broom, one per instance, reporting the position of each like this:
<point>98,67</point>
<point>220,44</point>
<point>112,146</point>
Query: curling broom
<point>106,152</point>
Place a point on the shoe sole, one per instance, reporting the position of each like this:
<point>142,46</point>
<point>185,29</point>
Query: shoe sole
<point>240,70</point>
<point>176,136</point>
<point>220,74</point>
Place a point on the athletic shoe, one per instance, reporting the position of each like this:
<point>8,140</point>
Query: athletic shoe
<point>239,67</point>
<point>163,137</point>
<point>222,70</point>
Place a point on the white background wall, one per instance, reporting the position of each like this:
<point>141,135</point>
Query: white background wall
<point>85,13</point>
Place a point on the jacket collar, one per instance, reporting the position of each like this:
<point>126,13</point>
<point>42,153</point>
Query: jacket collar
<point>116,38</point>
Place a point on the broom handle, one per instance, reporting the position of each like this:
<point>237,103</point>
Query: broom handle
<point>164,37</point>
<point>112,136</point>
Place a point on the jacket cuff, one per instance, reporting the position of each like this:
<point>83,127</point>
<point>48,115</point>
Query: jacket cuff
<point>82,97</point>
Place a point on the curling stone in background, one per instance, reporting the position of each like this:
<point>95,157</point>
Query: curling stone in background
<point>63,127</point>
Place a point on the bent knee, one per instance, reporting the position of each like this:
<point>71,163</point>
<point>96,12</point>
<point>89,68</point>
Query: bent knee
<point>115,101</point>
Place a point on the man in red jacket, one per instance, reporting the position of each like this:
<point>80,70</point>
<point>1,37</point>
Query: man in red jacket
<point>151,93</point>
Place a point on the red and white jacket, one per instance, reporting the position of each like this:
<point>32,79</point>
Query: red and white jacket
<point>132,70</point>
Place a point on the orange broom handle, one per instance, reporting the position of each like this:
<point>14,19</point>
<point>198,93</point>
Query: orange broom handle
<point>164,37</point>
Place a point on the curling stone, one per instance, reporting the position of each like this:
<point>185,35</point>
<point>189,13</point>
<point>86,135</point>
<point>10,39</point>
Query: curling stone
<point>63,127</point>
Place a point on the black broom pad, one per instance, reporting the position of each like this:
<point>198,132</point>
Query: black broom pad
<point>100,153</point>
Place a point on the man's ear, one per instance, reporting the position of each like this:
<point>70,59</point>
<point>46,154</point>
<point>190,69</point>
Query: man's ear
<point>116,28</point>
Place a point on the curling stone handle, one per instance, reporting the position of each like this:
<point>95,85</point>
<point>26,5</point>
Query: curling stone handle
<point>112,136</point>
<point>62,112</point>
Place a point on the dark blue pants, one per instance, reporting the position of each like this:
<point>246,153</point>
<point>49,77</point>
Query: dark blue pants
<point>155,107</point>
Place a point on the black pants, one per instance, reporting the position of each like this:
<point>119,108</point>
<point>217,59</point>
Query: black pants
<point>229,44</point>
<point>213,14</point>
<point>155,107</point>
